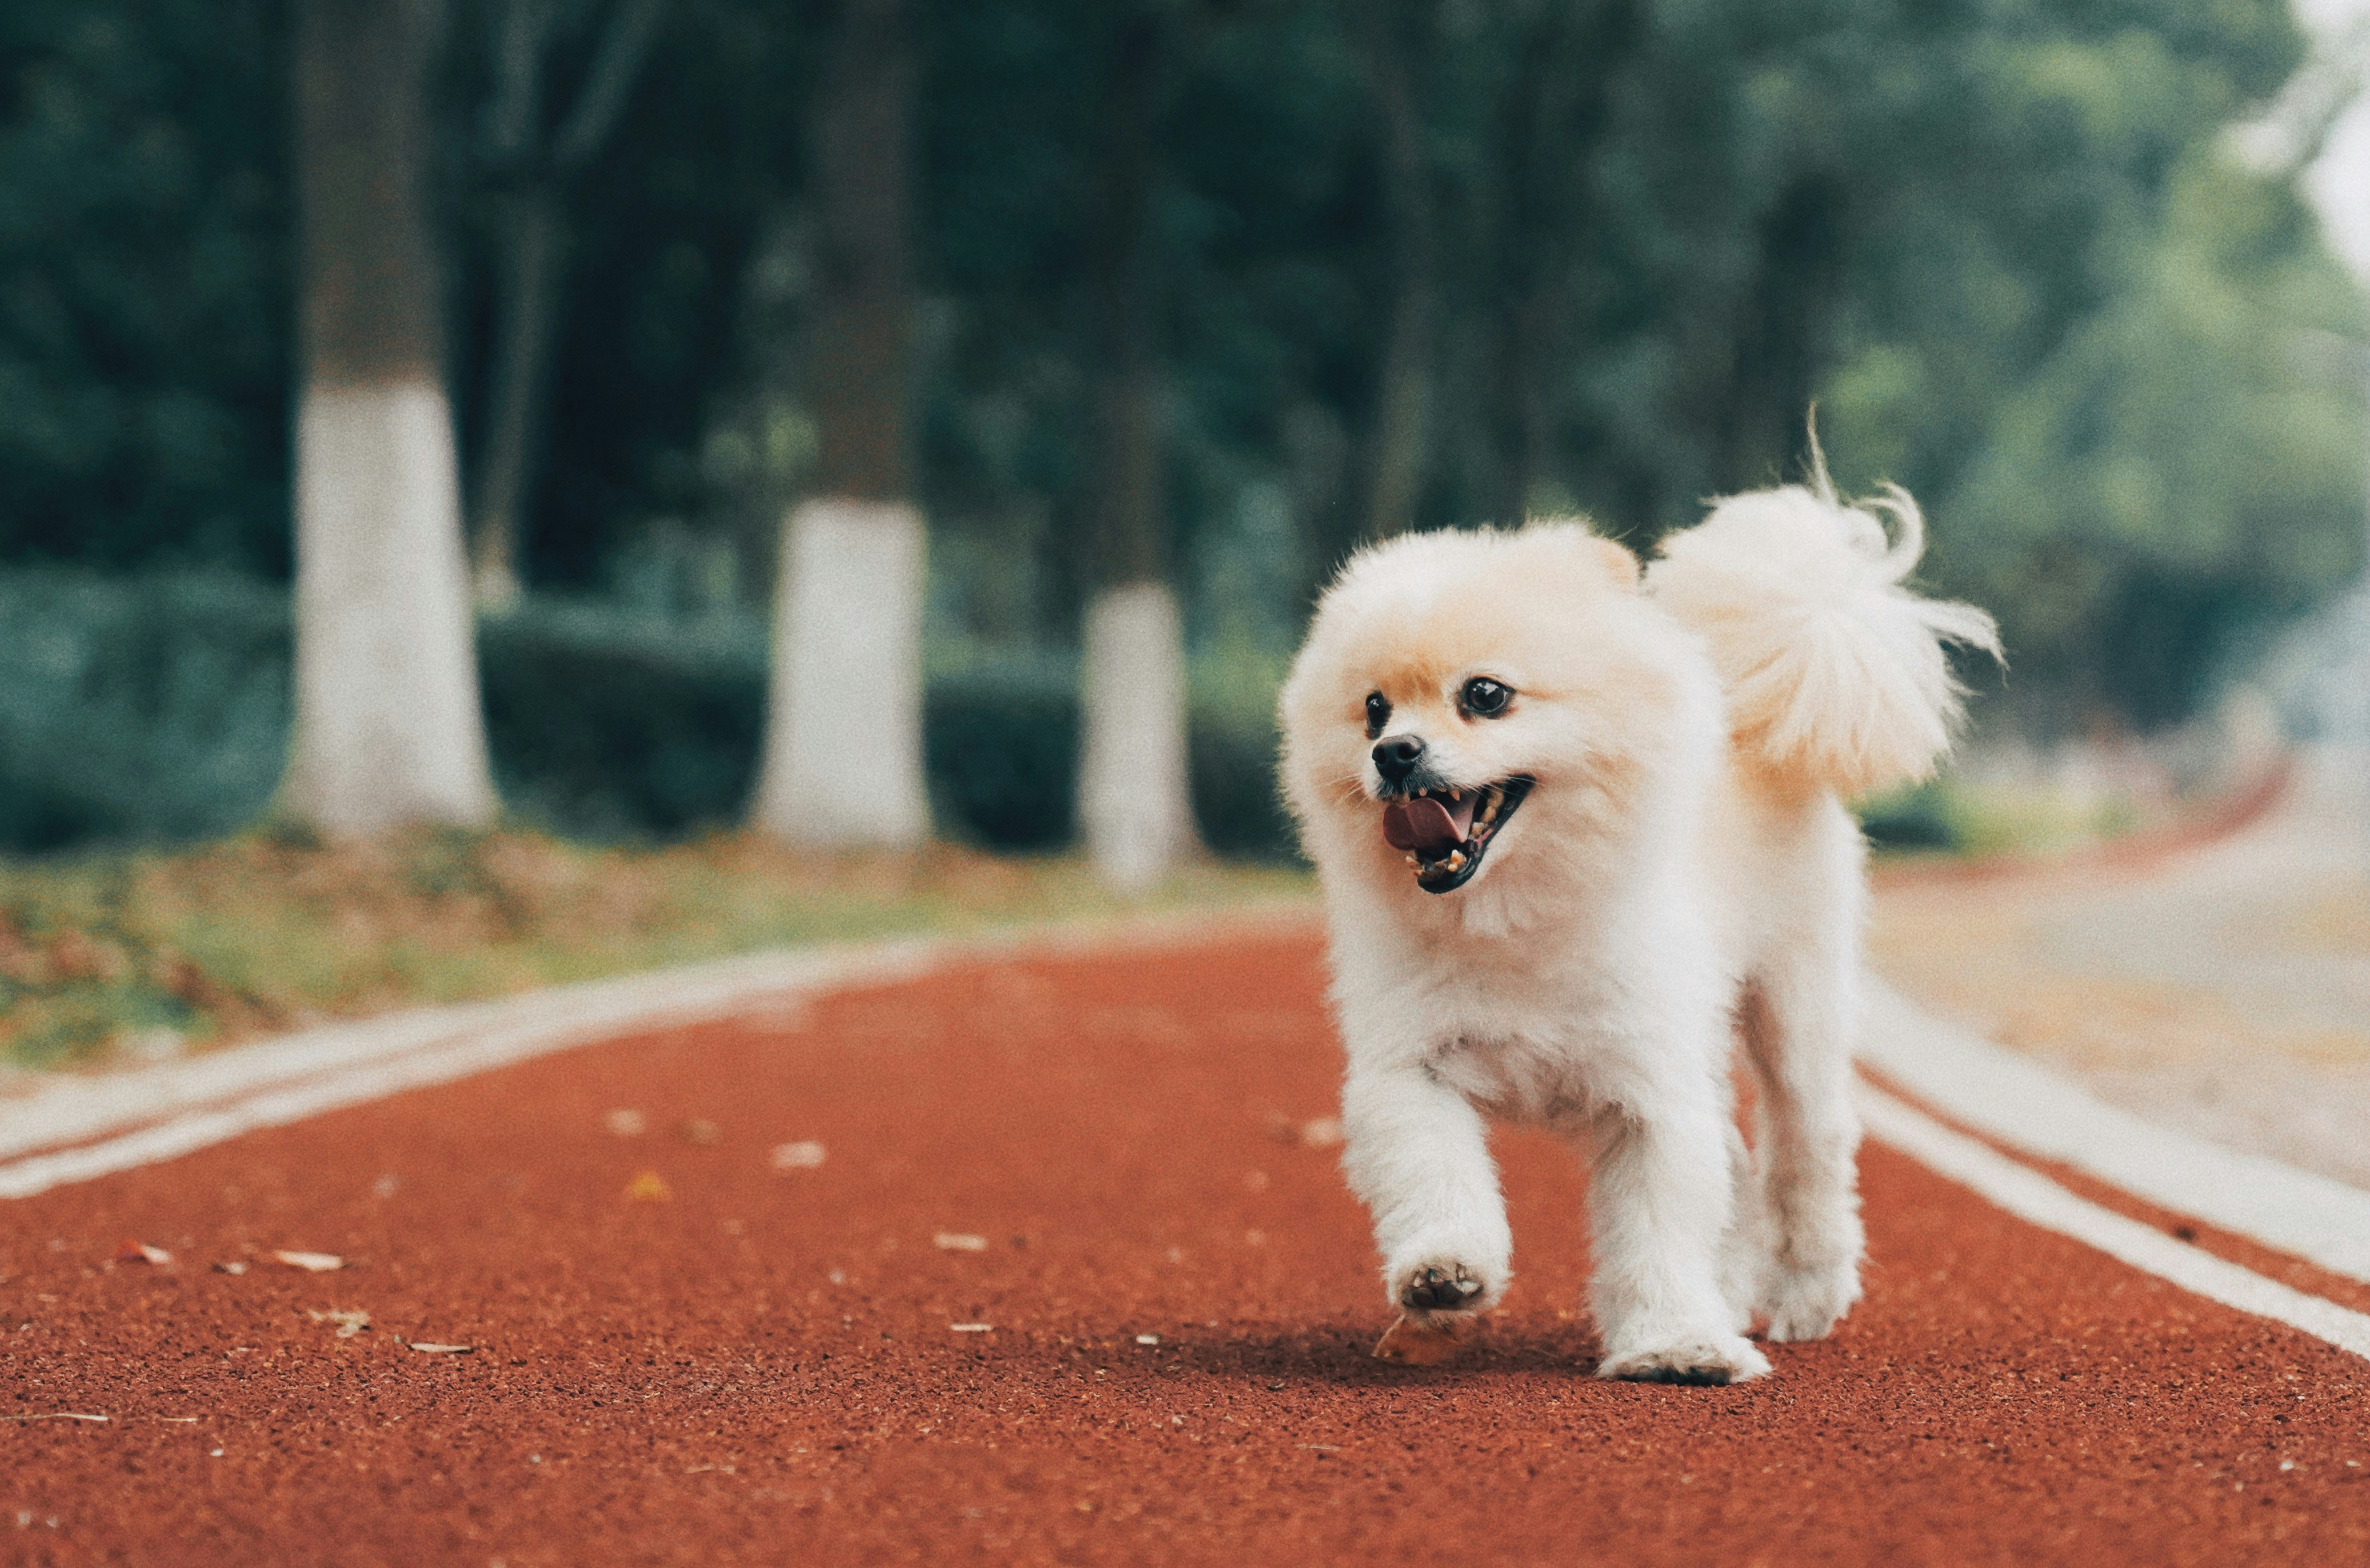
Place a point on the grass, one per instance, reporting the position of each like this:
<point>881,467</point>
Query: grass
<point>127,954</point>
<point>130,954</point>
<point>1960,819</point>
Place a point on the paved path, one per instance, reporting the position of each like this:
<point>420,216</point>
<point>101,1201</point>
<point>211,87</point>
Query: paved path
<point>1075,1281</point>
<point>2226,992</point>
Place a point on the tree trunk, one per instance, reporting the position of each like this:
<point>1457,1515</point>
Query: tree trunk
<point>843,719</point>
<point>527,310</point>
<point>388,728</point>
<point>843,761</point>
<point>1400,442</point>
<point>1135,795</point>
<point>538,170</point>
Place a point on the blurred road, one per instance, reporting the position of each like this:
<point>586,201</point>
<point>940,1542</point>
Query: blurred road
<point>2224,992</point>
<point>1049,1260</point>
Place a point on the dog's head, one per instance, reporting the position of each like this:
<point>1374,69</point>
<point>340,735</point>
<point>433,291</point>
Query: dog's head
<point>1464,699</point>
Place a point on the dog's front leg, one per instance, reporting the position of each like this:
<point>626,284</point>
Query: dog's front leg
<point>1419,1156</point>
<point>1659,1200</point>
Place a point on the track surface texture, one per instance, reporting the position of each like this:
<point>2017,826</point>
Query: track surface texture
<point>762,1366</point>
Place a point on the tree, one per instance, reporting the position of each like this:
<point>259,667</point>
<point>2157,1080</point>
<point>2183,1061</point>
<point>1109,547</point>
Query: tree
<point>1135,800</point>
<point>145,337</point>
<point>387,723</point>
<point>843,756</point>
<point>1399,440</point>
<point>535,155</point>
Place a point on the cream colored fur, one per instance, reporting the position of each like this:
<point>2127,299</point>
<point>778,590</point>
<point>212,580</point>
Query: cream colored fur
<point>1834,671</point>
<point>1682,877</point>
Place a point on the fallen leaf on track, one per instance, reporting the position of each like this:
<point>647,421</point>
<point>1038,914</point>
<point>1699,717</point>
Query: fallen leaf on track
<point>1325,1132</point>
<point>797,1156</point>
<point>1410,1344</point>
<point>627,1124</point>
<point>956,1242</point>
<point>426,1349</point>
<point>649,1187</point>
<point>310,1263</point>
<point>133,1251</point>
<point>56,1415</point>
<point>706,1134</point>
<point>972,1328</point>
<point>232,1267</point>
<point>350,1320</point>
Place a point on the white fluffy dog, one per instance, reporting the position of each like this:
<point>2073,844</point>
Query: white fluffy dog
<point>1578,833</point>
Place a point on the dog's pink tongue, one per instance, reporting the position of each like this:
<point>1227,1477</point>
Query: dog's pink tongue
<point>1426,826</point>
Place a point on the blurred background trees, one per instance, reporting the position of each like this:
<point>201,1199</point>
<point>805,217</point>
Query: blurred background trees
<point>1319,271</point>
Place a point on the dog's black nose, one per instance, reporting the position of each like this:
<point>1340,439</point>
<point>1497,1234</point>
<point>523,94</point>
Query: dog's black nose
<point>1397,757</point>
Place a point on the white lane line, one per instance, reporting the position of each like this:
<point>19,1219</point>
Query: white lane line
<point>70,1109</point>
<point>118,1121</point>
<point>77,1129</point>
<point>2031,1109</point>
<point>2032,1197</point>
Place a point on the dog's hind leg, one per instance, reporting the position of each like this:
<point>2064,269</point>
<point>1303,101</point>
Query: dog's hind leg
<point>1744,1247</point>
<point>1799,1017</point>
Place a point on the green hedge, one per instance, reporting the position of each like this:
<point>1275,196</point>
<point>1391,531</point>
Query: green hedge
<point>148,708</point>
<point>156,709</point>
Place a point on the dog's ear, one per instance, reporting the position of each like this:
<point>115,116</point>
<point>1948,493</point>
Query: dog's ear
<point>1620,564</point>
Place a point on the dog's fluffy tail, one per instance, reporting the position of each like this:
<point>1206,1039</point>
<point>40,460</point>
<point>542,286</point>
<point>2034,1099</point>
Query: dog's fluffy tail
<point>1836,673</point>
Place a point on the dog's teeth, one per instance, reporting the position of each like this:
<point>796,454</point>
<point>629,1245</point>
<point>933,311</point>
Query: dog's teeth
<point>1413,862</point>
<point>1456,860</point>
<point>1455,794</point>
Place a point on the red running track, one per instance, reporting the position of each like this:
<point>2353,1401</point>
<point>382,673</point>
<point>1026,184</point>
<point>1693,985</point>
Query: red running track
<point>761,1367</point>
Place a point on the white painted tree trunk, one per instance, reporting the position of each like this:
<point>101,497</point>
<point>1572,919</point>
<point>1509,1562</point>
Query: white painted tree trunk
<point>843,762</point>
<point>388,729</point>
<point>1135,795</point>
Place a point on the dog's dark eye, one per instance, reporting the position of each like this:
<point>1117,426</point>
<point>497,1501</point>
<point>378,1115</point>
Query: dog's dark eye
<point>1485,699</point>
<point>1378,713</point>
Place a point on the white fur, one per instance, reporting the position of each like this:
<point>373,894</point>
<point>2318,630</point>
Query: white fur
<point>1659,894</point>
<point>1833,669</point>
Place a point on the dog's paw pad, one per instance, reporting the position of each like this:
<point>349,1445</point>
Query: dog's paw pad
<point>1440,1287</point>
<point>1708,1364</point>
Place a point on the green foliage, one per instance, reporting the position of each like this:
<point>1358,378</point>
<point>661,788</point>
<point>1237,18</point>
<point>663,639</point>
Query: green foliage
<point>2181,465</point>
<point>155,708</point>
<point>1952,816</point>
<point>1001,740</point>
<point>621,726</point>
<point>148,708</point>
<point>145,317</point>
<point>2001,244</point>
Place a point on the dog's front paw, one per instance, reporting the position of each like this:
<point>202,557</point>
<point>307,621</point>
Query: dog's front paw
<point>1705,1363</point>
<point>1806,1304</point>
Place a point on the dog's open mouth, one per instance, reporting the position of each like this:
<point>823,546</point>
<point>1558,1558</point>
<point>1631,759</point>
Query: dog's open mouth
<point>1444,831</point>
